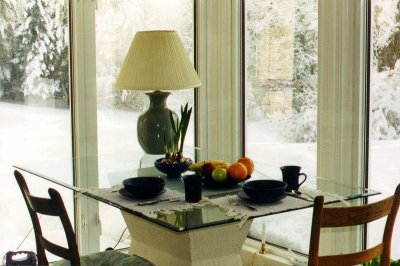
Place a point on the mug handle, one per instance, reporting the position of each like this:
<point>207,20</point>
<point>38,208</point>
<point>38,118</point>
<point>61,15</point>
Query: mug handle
<point>305,178</point>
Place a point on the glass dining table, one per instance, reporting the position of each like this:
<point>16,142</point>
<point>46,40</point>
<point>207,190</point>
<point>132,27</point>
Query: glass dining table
<point>170,231</point>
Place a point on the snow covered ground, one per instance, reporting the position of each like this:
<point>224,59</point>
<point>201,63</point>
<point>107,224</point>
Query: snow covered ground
<point>29,133</point>
<point>384,171</point>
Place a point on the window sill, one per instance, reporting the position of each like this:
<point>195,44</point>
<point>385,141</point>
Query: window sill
<point>275,256</point>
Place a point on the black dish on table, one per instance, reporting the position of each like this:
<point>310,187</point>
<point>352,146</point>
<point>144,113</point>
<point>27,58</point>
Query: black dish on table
<point>128,194</point>
<point>243,196</point>
<point>143,187</point>
<point>265,190</point>
<point>172,170</point>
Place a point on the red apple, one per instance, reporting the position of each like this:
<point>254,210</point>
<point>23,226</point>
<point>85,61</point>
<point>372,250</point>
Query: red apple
<point>207,169</point>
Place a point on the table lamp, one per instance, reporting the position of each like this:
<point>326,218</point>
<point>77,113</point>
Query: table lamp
<point>156,61</point>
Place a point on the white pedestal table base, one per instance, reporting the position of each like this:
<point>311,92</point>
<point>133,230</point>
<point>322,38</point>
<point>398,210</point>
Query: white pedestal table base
<point>217,245</point>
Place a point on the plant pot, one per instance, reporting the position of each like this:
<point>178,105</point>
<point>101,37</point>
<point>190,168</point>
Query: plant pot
<point>174,169</point>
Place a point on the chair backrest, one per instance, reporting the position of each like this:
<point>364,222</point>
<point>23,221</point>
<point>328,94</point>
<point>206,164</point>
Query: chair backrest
<point>350,216</point>
<point>53,206</point>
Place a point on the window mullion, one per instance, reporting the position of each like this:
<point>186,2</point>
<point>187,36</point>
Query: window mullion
<point>218,64</point>
<point>342,108</point>
<point>341,91</point>
<point>85,122</point>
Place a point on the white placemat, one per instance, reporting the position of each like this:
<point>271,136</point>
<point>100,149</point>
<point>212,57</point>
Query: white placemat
<point>286,204</point>
<point>113,196</point>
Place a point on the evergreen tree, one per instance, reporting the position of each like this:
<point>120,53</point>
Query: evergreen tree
<point>300,123</point>
<point>304,116</point>
<point>385,81</point>
<point>44,39</point>
<point>306,42</point>
<point>297,124</point>
<point>388,55</point>
<point>56,59</point>
<point>10,86</point>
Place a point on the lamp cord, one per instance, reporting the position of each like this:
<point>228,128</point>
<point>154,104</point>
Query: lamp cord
<point>119,240</point>
<point>31,229</point>
<point>26,236</point>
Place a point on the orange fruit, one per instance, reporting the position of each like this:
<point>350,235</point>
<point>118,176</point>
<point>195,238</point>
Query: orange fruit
<point>248,163</point>
<point>237,171</point>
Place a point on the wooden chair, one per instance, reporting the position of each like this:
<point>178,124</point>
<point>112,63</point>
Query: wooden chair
<point>54,206</point>
<point>350,216</point>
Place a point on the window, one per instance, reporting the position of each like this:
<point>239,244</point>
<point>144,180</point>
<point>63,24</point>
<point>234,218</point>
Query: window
<point>35,98</point>
<point>281,101</point>
<point>384,109</point>
<point>338,115</point>
<point>35,112</point>
<point>118,110</point>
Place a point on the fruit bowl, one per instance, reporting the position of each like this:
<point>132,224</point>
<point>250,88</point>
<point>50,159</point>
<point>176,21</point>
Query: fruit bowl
<point>210,183</point>
<point>221,174</point>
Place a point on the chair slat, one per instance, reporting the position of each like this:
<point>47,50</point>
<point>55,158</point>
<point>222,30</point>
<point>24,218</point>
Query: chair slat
<point>43,206</point>
<point>353,258</point>
<point>56,249</point>
<point>350,216</point>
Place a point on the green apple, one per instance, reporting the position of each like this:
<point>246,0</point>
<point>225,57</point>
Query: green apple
<point>219,174</point>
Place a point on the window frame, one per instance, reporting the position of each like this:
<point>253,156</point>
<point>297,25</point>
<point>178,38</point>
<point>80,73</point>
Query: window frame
<point>343,18</point>
<point>84,121</point>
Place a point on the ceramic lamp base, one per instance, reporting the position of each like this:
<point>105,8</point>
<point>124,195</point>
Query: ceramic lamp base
<point>155,125</point>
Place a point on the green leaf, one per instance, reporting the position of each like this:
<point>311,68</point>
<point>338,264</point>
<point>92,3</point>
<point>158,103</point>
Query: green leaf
<point>376,262</point>
<point>185,123</point>
<point>395,263</point>
<point>179,129</point>
<point>171,118</point>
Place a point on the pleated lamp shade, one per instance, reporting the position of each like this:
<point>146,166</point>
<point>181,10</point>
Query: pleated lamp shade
<point>157,60</point>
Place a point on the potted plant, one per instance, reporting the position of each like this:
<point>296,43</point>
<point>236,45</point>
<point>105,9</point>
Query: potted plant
<point>173,148</point>
<point>376,262</point>
<point>174,163</point>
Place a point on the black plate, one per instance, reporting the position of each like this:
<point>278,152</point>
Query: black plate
<point>244,196</point>
<point>126,193</point>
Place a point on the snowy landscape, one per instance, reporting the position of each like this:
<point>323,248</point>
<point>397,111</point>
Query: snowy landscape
<point>35,119</point>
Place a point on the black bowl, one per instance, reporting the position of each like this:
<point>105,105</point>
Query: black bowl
<point>264,190</point>
<point>144,185</point>
<point>172,169</point>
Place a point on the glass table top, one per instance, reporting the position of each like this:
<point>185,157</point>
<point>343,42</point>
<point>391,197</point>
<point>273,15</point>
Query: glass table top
<point>198,215</point>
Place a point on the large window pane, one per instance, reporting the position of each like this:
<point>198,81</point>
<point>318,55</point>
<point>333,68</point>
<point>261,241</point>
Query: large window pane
<point>118,111</point>
<point>34,108</point>
<point>281,98</point>
<point>385,108</point>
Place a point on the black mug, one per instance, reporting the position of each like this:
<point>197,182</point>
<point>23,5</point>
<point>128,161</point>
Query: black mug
<point>290,175</point>
<point>193,187</point>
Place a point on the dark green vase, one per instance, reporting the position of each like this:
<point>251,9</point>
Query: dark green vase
<point>155,123</point>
